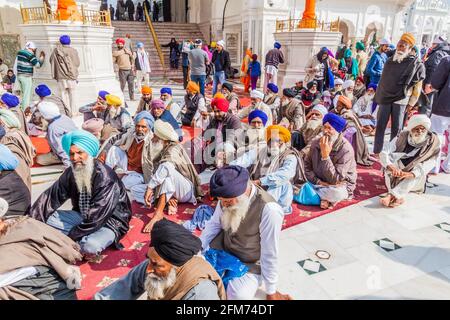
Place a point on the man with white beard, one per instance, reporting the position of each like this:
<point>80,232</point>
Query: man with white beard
<point>172,270</point>
<point>347,91</point>
<point>101,209</point>
<point>312,129</point>
<point>174,178</point>
<point>408,159</point>
<point>247,224</point>
<point>366,110</point>
<point>117,119</point>
<point>171,106</point>
<point>257,98</point>
<point>277,168</point>
<point>402,74</point>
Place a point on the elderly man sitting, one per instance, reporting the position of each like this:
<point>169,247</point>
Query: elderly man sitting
<point>101,209</point>
<point>94,126</point>
<point>366,110</point>
<point>172,270</point>
<point>195,111</point>
<point>95,109</point>
<point>117,119</point>
<point>146,99</point>
<point>247,224</point>
<point>159,111</point>
<point>11,102</point>
<point>276,168</point>
<point>40,261</point>
<point>408,159</point>
<point>347,91</point>
<point>257,104</point>
<point>174,177</point>
<point>130,155</point>
<point>254,137</point>
<point>232,97</point>
<point>45,94</point>
<point>312,129</point>
<point>58,126</point>
<point>330,164</point>
<point>171,106</point>
<point>292,111</point>
<point>272,99</point>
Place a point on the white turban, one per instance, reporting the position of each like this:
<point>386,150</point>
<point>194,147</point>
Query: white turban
<point>384,41</point>
<point>255,94</point>
<point>49,110</point>
<point>338,81</point>
<point>321,109</point>
<point>30,45</point>
<point>165,131</point>
<point>347,84</point>
<point>3,207</point>
<point>221,43</point>
<point>419,120</point>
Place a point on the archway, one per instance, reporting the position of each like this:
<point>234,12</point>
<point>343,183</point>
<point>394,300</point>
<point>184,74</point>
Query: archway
<point>374,31</point>
<point>347,28</point>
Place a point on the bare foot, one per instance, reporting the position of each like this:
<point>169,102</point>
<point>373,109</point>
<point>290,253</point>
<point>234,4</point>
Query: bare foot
<point>386,201</point>
<point>396,203</point>
<point>148,228</point>
<point>324,205</point>
<point>173,207</point>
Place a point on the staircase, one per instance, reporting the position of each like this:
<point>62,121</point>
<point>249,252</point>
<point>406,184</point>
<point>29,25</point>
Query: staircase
<point>165,31</point>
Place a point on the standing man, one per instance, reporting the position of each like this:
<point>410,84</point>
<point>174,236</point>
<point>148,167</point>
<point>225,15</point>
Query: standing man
<point>112,11</point>
<point>26,61</point>
<point>155,11</point>
<point>142,66</point>
<point>123,57</point>
<point>65,63</point>
<point>198,60</point>
<point>374,68</point>
<point>402,72</point>
<point>222,62</point>
<point>147,7</point>
<point>130,8</point>
<point>361,57</point>
<point>273,59</point>
<point>185,62</point>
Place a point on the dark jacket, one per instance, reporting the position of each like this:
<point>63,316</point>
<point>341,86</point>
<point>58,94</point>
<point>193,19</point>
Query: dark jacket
<point>224,57</point>
<point>231,124</point>
<point>110,206</point>
<point>434,58</point>
<point>130,6</point>
<point>274,58</point>
<point>441,82</point>
<point>15,192</point>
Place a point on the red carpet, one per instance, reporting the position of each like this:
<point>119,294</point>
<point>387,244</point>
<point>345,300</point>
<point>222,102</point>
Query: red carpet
<point>113,264</point>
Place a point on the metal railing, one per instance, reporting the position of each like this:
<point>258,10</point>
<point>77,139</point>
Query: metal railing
<point>291,25</point>
<point>155,41</point>
<point>45,15</point>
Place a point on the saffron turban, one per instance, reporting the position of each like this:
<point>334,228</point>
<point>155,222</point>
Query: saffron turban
<point>344,101</point>
<point>8,161</point>
<point>9,119</point>
<point>419,120</point>
<point>166,91</point>
<point>42,91</point>
<point>120,41</point>
<point>272,87</point>
<point>258,114</point>
<point>219,95</point>
<point>229,182</point>
<point>277,45</point>
<point>94,125</point>
<point>228,86</point>
<point>255,94</point>
<point>158,104</point>
<point>3,207</point>
<point>347,84</point>
<point>174,243</point>
<point>221,104</point>
<point>193,87</point>
<point>146,90</point>
<point>102,94</point>
<point>337,122</point>
<point>289,93</point>
<point>2,132</point>
<point>48,110</point>
<point>113,100</point>
<point>373,86</point>
<point>320,108</point>
<point>408,38</point>
<point>65,40</point>
<point>165,131</point>
<point>147,116</point>
<point>84,140</point>
<point>10,100</point>
<point>278,131</point>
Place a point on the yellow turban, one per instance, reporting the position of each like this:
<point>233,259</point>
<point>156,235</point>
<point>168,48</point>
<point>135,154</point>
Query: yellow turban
<point>409,38</point>
<point>278,131</point>
<point>219,96</point>
<point>193,87</point>
<point>113,100</point>
<point>213,44</point>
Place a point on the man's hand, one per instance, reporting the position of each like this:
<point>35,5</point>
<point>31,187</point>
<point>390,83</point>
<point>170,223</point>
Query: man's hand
<point>407,175</point>
<point>278,296</point>
<point>428,89</point>
<point>257,182</point>
<point>27,111</point>
<point>148,197</point>
<point>396,172</point>
<point>42,55</point>
<point>325,147</point>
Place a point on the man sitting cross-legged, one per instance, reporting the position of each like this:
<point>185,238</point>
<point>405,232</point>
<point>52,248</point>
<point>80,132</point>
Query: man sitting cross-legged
<point>331,164</point>
<point>174,177</point>
<point>247,224</point>
<point>101,209</point>
<point>408,159</point>
<point>172,270</point>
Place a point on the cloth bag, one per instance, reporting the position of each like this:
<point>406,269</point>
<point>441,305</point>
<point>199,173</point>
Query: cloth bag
<point>307,195</point>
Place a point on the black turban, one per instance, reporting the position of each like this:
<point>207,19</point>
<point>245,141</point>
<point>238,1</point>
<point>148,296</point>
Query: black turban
<point>174,243</point>
<point>229,182</point>
<point>311,84</point>
<point>228,86</point>
<point>289,93</point>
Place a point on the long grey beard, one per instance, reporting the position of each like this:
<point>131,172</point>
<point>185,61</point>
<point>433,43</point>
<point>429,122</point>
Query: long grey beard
<point>156,286</point>
<point>313,124</point>
<point>349,95</point>
<point>400,56</point>
<point>113,112</point>
<point>255,135</point>
<point>83,175</point>
<point>234,215</point>
<point>417,140</point>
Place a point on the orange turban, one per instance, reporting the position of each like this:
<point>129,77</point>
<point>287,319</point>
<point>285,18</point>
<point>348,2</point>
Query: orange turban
<point>278,131</point>
<point>219,96</point>
<point>345,102</point>
<point>193,87</point>
<point>146,90</point>
<point>409,38</point>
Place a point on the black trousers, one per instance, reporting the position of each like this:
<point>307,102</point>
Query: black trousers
<point>396,113</point>
<point>185,76</point>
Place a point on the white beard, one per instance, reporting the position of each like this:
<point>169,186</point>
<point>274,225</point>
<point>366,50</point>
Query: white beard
<point>400,56</point>
<point>83,175</point>
<point>417,140</point>
<point>255,135</point>
<point>113,112</point>
<point>156,286</point>
<point>234,215</point>
<point>157,148</point>
<point>333,139</point>
<point>349,95</point>
<point>313,124</point>
<point>139,138</point>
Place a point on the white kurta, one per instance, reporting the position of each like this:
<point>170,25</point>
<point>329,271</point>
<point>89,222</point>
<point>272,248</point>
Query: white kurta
<point>361,108</point>
<point>245,288</point>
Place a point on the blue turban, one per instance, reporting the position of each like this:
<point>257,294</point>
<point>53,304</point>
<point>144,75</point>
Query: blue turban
<point>10,100</point>
<point>65,40</point>
<point>277,45</point>
<point>258,114</point>
<point>43,91</point>
<point>166,91</point>
<point>337,122</point>
<point>8,161</point>
<point>139,45</point>
<point>2,132</point>
<point>83,140</point>
<point>102,94</point>
<point>272,87</point>
<point>373,86</point>
<point>147,116</point>
<point>229,182</point>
